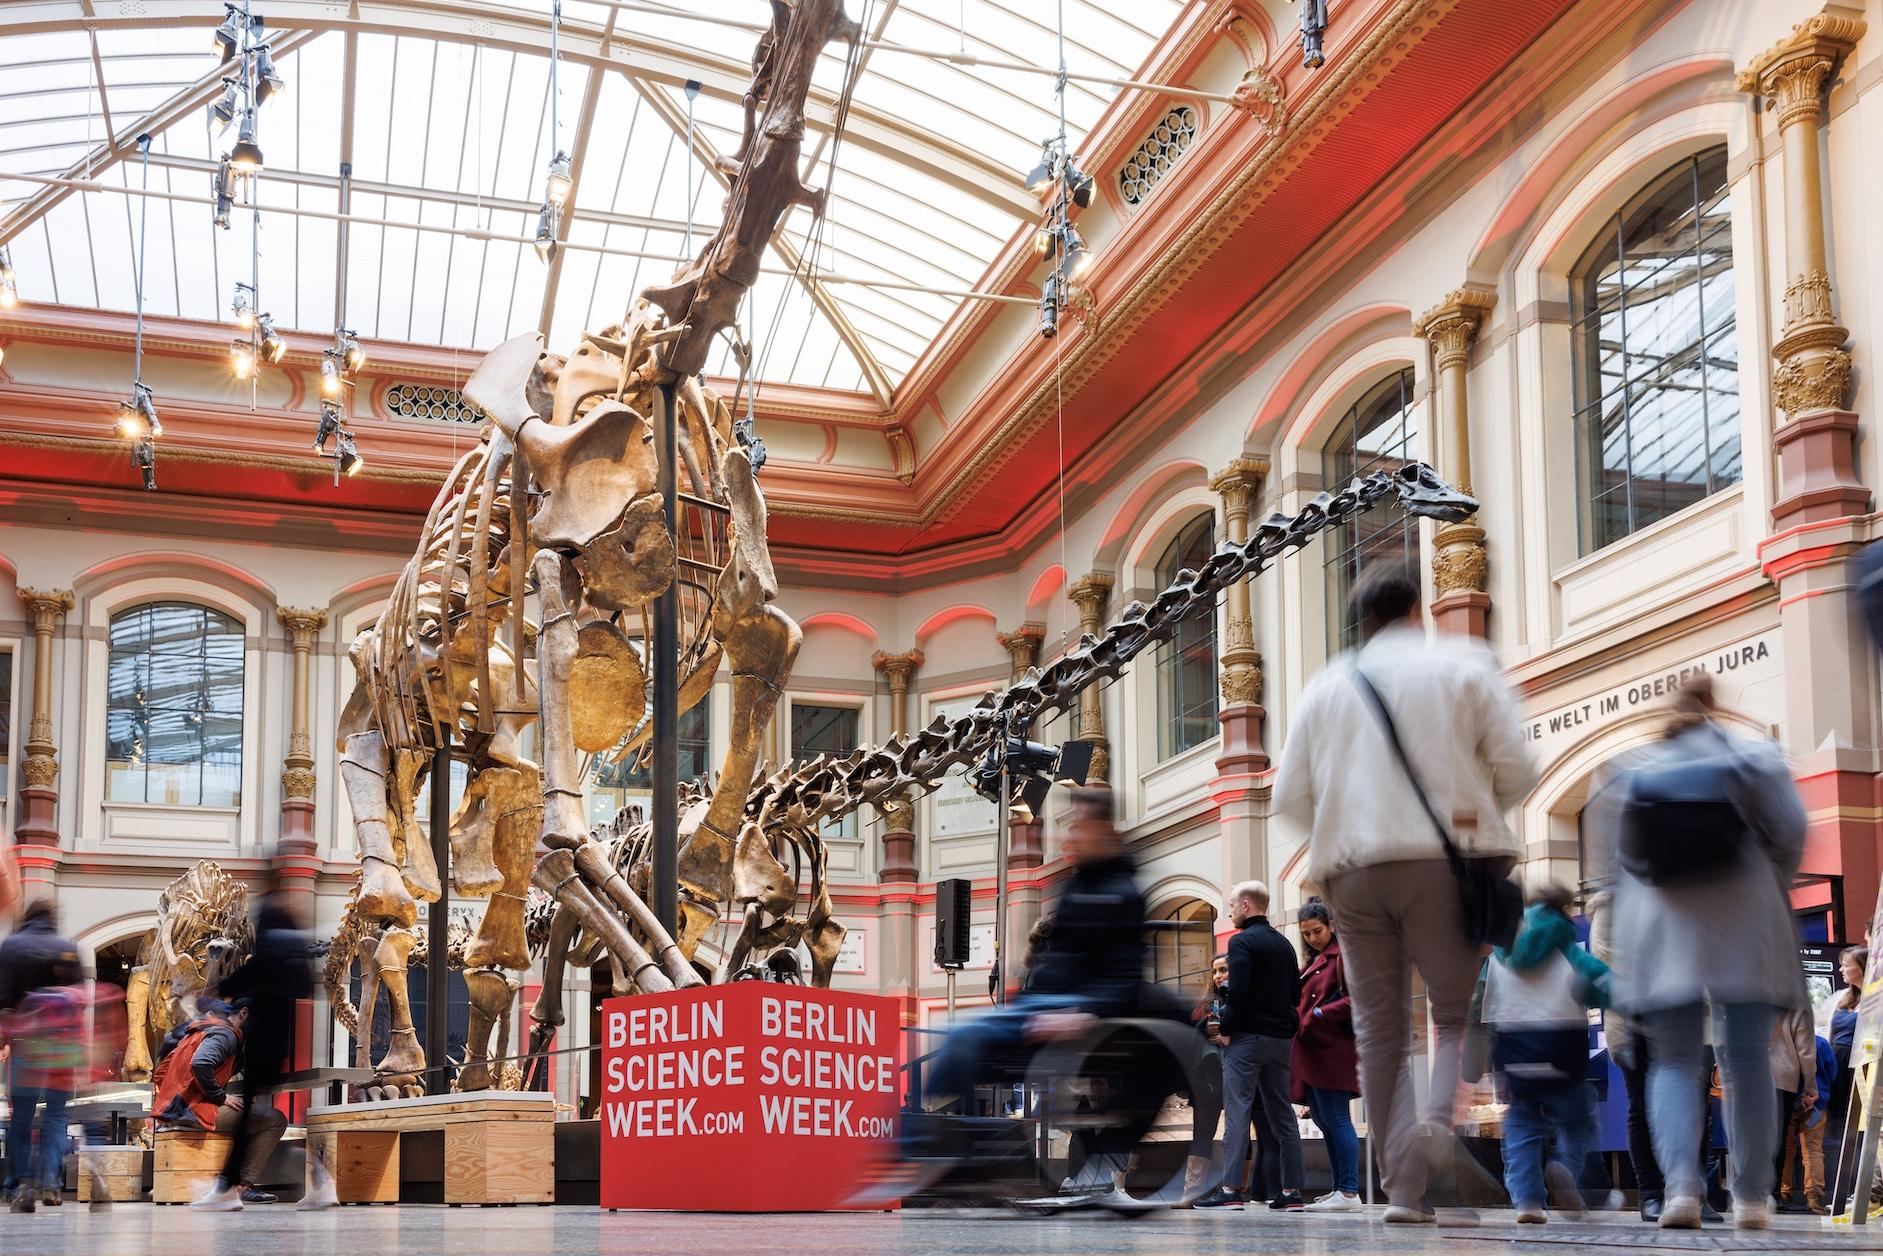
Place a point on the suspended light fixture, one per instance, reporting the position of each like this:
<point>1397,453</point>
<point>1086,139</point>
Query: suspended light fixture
<point>351,355</point>
<point>9,280</point>
<point>242,308</point>
<point>273,347</point>
<point>229,34</point>
<point>144,458</point>
<point>246,157</point>
<point>1046,240</point>
<point>230,104</point>
<point>349,455</point>
<point>242,357</point>
<point>268,79</point>
<point>1042,174</point>
<point>559,181</point>
<point>1079,184</point>
<point>224,192</point>
<point>329,424</point>
<point>1078,256</point>
<point>546,231</point>
<point>137,417</point>
<point>330,378</point>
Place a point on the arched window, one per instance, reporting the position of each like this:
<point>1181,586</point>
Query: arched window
<point>1186,663</point>
<point>1657,358</point>
<point>173,706</point>
<point>1379,433</point>
<point>1182,931</point>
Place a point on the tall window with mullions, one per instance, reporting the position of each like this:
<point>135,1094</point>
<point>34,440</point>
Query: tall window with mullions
<point>1380,432</point>
<point>1657,356</point>
<point>1186,663</point>
<point>173,706</point>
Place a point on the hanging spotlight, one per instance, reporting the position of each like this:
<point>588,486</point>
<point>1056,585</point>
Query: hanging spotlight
<point>224,192</point>
<point>272,345</point>
<point>268,79</point>
<point>1046,240</point>
<point>225,109</point>
<point>229,34</point>
<point>1049,307</point>
<point>351,355</point>
<point>1078,256</point>
<point>242,309</point>
<point>1042,174</point>
<point>242,357</point>
<point>329,424</point>
<point>349,455</point>
<point>246,157</point>
<point>9,280</point>
<point>144,458</point>
<point>546,232</point>
<point>330,381</point>
<point>137,415</point>
<point>560,180</point>
<point>1079,185</point>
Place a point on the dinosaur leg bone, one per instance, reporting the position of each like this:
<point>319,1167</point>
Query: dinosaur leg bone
<point>364,768</point>
<point>591,859</point>
<point>404,1059</point>
<point>557,876</point>
<point>490,995</point>
<point>546,1013</point>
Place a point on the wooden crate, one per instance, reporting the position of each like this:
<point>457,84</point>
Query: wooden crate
<point>120,1171</point>
<point>499,1147</point>
<point>184,1163</point>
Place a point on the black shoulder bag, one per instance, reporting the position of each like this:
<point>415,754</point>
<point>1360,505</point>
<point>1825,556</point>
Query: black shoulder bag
<point>1493,905</point>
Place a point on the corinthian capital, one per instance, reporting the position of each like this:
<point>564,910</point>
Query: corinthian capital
<point>302,625</point>
<point>1090,595</point>
<point>46,605</point>
<point>897,668</point>
<point>1791,73</point>
<point>1238,483</point>
<point>1023,643</point>
<point>1453,322</point>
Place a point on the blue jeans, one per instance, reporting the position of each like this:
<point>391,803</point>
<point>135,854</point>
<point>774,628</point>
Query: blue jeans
<point>1675,1111</point>
<point>972,1049</point>
<point>1568,1109</point>
<point>22,1168</point>
<point>1331,1111</point>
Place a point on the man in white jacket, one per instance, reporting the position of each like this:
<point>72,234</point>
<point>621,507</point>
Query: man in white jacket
<point>1377,856</point>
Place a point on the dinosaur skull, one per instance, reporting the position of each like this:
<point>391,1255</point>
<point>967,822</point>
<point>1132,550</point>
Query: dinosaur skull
<point>1423,493</point>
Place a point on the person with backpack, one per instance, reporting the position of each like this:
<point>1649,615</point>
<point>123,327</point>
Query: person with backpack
<point>1537,996</point>
<point>1706,831</point>
<point>190,1090</point>
<point>42,1017</point>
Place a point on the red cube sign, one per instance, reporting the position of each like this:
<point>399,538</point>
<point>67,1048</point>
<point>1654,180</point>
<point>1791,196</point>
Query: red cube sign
<point>749,1097</point>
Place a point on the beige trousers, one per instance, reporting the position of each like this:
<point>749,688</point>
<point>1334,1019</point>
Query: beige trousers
<point>1392,918</point>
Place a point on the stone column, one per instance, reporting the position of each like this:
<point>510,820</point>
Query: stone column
<point>1240,663</point>
<point>39,796</point>
<point>1818,519</point>
<point>898,811</point>
<point>297,767</point>
<point>1817,444</point>
<point>1090,595</point>
<point>1459,566</point>
<point>1025,846</point>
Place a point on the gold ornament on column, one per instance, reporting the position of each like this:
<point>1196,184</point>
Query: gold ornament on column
<point>1240,664</point>
<point>1090,595</point>
<point>1813,371</point>
<point>1460,565</point>
<point>297,766</point>
<point>1023,646</point>
<point>898,810</point>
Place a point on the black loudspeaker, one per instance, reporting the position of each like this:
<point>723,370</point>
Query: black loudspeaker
<point>1075,762</point>
<point>954,906</point>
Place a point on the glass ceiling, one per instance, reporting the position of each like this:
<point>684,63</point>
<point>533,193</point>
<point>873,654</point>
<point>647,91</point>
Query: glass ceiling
<point>450,133</point>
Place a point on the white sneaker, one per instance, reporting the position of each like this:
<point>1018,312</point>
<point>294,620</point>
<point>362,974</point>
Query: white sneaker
<point>1334,1201</point>
<point>1532,1214</point>
<point>322,1196</point>
<point>1406,1214</point>
<point>1755,1215</point>
<point>219,1198</point>
<point>1681,1213</point>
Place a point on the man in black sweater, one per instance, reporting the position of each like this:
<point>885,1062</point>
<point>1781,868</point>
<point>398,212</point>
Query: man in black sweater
<point>1259,1026</point>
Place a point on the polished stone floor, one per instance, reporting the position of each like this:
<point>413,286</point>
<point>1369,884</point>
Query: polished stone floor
<point>417,1230</point>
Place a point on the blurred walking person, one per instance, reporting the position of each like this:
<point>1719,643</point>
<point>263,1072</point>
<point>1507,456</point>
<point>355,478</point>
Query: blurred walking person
<point>1371,798</point>
<point>42,1020</point>
<point>1802,1142</point>
<point>1707,831</point>
<point>278,974</point>
<point>1537,996</point>
<point>1206,1108</point>
<point>1262,997</point>
<point>1325,1064</point>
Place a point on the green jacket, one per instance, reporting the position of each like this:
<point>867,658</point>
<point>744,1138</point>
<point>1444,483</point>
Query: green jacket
<point>1547,931</point>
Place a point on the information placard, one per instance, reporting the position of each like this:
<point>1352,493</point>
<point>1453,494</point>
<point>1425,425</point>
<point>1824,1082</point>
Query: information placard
<point>750,1097</point>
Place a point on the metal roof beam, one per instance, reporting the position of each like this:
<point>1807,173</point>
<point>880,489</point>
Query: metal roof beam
<point>955,164</point>
<point>123,141</point>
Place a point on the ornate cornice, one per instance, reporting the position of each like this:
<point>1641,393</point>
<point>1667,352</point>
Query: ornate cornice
<point>302,625</point>
<point>1090,595</point>
<point>897,668</point>
<point>1450,325</point>
<point>1023,644</point>
<point>1239,482</point>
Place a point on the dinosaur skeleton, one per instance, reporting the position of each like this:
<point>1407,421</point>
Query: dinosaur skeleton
<point>203,933</point>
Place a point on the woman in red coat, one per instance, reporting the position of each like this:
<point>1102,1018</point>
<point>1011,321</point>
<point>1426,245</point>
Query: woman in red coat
<point>1325,1062</point>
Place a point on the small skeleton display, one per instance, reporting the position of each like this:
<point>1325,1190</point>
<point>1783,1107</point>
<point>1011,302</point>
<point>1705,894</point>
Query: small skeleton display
<point>203,933</point>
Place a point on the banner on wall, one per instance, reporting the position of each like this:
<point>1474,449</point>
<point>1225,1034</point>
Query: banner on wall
<point>749,1097</point>
<point>1740,671</point>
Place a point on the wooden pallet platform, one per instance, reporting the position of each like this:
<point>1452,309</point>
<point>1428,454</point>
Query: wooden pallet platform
<point>498,1147</point>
